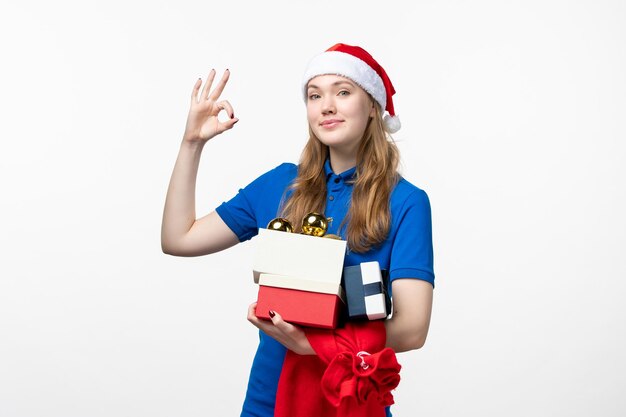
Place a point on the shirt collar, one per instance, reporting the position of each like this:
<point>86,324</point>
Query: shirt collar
<point>345,176</point>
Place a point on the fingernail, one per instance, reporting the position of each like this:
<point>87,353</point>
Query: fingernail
<point>272,314</point>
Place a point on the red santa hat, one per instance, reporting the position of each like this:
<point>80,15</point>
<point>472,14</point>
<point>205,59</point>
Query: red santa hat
<point>357,64</point>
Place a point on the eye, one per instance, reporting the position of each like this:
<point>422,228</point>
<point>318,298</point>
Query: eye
<point>314,96</point>
<point>344,93</point>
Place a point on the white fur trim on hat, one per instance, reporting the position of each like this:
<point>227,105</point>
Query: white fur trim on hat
<point>349,66</point>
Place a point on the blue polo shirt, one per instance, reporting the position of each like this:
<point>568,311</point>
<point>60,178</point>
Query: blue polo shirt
<point>406,253</point>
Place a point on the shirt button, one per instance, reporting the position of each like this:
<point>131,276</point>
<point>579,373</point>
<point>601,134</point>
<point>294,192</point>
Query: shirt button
<point>337,180</point>
<point>331,198</point>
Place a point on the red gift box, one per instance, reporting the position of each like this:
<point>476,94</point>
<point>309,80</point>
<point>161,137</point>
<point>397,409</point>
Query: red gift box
<point>305,308</point>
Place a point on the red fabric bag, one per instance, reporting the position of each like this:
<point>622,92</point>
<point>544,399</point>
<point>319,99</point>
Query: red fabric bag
<point>352,374</point>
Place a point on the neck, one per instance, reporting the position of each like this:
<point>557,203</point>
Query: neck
<point>341,161</point>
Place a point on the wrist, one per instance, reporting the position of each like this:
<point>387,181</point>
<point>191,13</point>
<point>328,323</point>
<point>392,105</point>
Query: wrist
<point>193,144</point>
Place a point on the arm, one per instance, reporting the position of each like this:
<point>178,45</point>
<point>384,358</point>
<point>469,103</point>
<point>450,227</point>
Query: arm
<point>411,259</point>
<point>181,233</point>
<point>406,330</point>
<point>412,305</point>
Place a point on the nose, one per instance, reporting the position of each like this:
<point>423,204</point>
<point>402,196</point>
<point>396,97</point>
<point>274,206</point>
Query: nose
<point>328,106</point>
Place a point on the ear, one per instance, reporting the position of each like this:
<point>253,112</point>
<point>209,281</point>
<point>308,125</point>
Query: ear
<point>373,110</point>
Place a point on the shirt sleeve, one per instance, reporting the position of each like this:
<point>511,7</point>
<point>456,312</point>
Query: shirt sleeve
<point>243,213</point>
<point>412,250</point>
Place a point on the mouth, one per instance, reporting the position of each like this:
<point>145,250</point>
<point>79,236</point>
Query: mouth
<point>330,123</point>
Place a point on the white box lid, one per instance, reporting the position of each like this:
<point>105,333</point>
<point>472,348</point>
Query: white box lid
<point>292,254</point>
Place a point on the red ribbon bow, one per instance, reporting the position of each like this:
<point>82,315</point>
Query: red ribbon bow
<point>361,376</point>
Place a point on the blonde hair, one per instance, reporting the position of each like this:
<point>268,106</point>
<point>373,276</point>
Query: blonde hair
<point>369,216</point>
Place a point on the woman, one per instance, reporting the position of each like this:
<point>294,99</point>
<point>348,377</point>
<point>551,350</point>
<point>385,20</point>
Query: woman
<point>348,171</point>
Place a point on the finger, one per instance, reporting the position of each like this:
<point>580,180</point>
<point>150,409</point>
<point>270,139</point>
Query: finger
<point>207,85</point>
<point>265,326</point>
<point>252,312</point>
<point>196,88</point>
<point>226,106</point>
<point>215,94</point>
<point>228,124</point>
<point>281,324</point>
<point>260,323</point>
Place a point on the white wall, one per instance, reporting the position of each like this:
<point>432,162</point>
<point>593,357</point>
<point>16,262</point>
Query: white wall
<point>513,122</point>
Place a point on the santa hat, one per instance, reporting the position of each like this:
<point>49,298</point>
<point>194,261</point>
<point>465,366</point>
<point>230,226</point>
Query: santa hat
<point>357,64</point>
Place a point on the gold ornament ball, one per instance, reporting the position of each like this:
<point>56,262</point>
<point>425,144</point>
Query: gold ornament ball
<point>280,224</point>
<point>314,224</point>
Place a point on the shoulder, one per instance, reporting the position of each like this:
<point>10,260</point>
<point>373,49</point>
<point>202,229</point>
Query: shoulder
<point>286,169</point>
<point>406,194</point>
<point>282,174</point>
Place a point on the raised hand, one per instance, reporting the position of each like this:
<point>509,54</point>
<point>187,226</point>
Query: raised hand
<point>202,122</point>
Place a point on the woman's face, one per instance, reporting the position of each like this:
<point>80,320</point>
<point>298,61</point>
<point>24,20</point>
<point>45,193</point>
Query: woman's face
<point>338,112</point>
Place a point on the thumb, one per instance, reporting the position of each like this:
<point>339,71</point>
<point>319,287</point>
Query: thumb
<point>228,124</point>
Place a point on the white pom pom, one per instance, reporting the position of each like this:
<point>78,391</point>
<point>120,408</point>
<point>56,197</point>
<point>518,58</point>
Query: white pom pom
<point>392,123</point>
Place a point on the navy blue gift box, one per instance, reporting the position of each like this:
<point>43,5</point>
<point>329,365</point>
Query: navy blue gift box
<point>365,287</point>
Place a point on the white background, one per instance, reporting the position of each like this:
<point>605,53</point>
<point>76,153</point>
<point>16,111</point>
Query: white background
<point>513,123</point>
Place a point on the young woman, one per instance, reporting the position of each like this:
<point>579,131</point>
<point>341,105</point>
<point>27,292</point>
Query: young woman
<point>347,170</point>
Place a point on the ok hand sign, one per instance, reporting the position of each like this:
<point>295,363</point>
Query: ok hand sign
<point>202,122</point>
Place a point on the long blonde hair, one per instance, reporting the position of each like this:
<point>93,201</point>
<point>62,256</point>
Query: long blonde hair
<point>369,216</point>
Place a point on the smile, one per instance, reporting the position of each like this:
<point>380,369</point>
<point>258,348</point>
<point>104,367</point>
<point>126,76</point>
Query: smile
<point>330,123</point>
